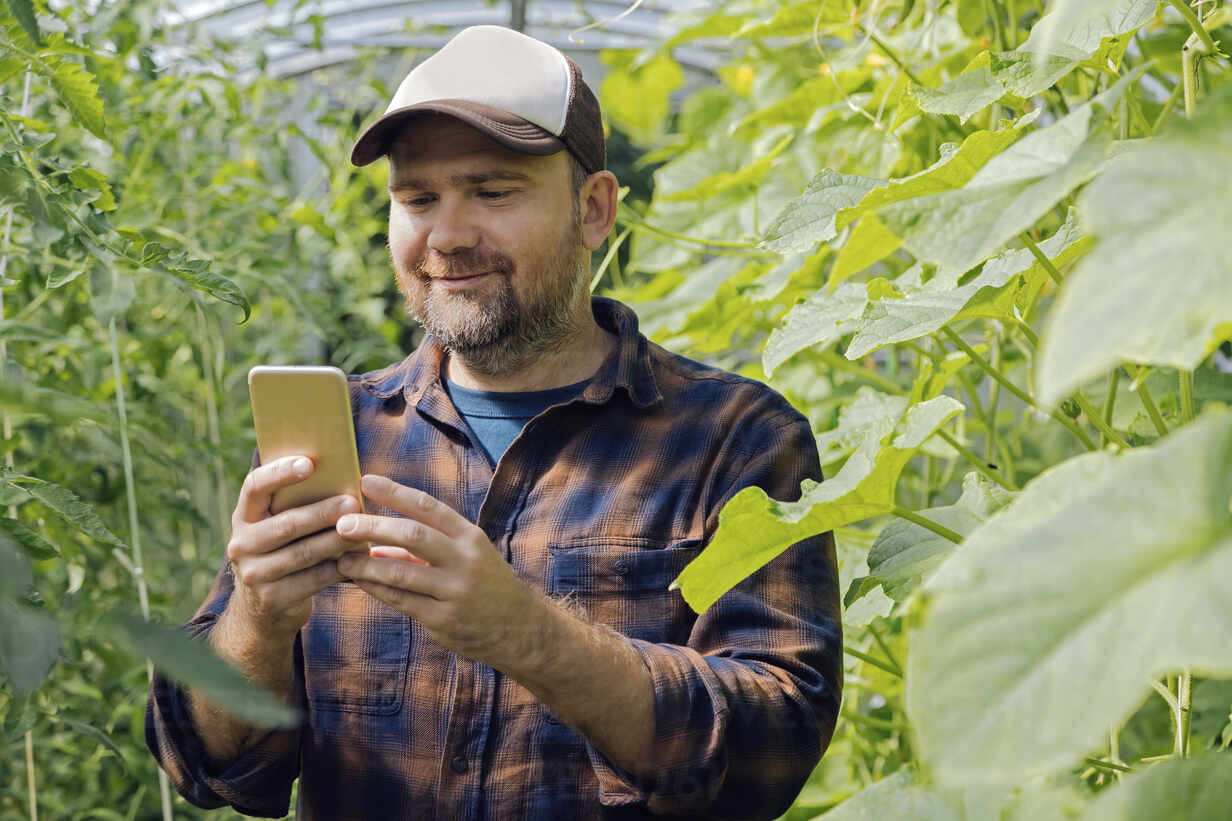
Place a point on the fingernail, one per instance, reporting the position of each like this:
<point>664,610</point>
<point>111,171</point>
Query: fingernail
<point>347,505</point>
<point>301,465</point>
<point>347,524</point>
<point>368,482</point>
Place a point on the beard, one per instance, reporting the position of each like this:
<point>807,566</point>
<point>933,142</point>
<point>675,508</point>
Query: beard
<point>489,327</point>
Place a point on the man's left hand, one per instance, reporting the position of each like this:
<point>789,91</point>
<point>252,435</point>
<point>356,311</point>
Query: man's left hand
<point>454,583</point>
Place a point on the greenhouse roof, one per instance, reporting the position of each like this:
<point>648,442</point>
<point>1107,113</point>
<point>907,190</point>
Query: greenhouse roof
<point>298,37</point>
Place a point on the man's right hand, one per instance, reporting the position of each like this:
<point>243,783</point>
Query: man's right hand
<point>280,561</point>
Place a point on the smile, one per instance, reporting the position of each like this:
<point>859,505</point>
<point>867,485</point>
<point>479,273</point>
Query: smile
<point>461,282</point>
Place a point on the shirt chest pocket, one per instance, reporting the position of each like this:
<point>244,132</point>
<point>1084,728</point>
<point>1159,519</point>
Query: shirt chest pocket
<point>622,582</point>
<point>356,650</point>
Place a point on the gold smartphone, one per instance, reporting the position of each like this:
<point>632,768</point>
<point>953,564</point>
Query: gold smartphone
<point>306,411</point>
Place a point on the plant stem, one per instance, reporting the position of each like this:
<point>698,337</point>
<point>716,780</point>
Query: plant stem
<point>994,398</point>
<point>1195,24</point>
<point>873,660</point>
<point>1026,398</point>
<point>1184,685</point>
<point>630,218</point>
<point>1189,76</point>
<point>842,363</point>
<point>134,531</point>
<point>975,461</point>
<point>885,648</point>
<point>1108,765</point>
<point>1041,257</point>
<point>889,52</point>
<point>928,524</point>
<point>1114,380</point>
<point>1185,379</point>
<point>879,723</point>
<point>1144,396</point>
<point>613,248</point>
<point>1097,419</point>
<point>1169,104</point>
<point>990,9</point>
<point>30,785</point>
<point>1166,694</point>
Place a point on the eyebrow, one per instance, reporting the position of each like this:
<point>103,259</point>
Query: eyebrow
<point>420,183</point>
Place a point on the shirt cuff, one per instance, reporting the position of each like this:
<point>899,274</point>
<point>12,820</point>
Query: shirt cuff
<point>257,783</point>
<point>690,715</point>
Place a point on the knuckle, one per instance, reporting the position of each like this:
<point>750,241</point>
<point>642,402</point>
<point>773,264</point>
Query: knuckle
<point>422,501</point>
<point>412,532</point>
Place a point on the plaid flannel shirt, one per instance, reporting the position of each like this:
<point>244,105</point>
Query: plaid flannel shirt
<point>605,498</point>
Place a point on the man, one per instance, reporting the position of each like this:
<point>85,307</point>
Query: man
<point>537,472</point>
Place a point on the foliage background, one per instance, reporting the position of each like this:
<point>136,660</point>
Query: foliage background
<point>734,247</point>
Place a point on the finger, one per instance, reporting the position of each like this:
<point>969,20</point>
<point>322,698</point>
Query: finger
<point>301,554</point>
<point>386,551</point>
<point>296,523</point>
<point>408,534</point>
<point>305,584</point>
<point>412,604</point>
<point>418,505</point>
<point>261,482</point>
<point>420,579</point>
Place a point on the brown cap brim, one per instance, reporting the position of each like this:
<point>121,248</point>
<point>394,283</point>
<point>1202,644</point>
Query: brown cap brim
<point>507,129</point>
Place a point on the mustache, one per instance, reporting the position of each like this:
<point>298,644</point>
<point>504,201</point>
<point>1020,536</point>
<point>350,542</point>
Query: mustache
<point>462,263</point>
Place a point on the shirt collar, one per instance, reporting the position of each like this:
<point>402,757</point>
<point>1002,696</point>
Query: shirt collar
<point>627,366</point>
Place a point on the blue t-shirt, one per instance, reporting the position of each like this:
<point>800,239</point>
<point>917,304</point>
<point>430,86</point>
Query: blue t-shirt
<point>497,417</point>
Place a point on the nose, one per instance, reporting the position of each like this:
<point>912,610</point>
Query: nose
<point>452,228</point>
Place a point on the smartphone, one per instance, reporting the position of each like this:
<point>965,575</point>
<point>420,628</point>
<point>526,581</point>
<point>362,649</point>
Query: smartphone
<point>306,411</point>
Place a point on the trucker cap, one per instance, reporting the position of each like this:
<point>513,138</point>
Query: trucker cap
<point>521,92</point>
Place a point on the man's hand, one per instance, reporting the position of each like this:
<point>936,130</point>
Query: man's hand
<point>277,563</point>
<point>443,572</point>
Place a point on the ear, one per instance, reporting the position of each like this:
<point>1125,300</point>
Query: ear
<point>598,202</point>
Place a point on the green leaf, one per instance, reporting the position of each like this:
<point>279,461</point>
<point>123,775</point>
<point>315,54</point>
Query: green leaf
<point>193,272</point>
<point>751,174</point>
<point>895,797</point>
<point>192,663</point>
<point>15,576</point>
<point>1106,569</point>
<point>23,10</point>
<point>79,92</point>
<point>1075,29</point>
<point>34,545</point>
<point>14,331</point>
<point>798,18</point>
<point>959,229</point>
<point>95,733</point>
<point>819,320</point>
<point>1155,288</point>
<point>636,97</point>
<point>65,504</point>
<point>29,646</point>
<point>925,308</point>
<point>968,93</point>
<point>904,552</point>
<point>809,219</point>
<point>753,528</point>
<point>110,291</point>
<point>869,243</point>
<point>1196,789</point>
<point>87,179</point>
<point>956,166</point>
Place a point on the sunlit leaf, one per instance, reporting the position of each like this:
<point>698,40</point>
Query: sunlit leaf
<point>819,320</point>
<point>809,219</point>
<point>79,91</point>
<point>65,504</point>
<point>1106,569</point>
<point>1156,287</point>
<point>753,528</point>
<point>963,96</point>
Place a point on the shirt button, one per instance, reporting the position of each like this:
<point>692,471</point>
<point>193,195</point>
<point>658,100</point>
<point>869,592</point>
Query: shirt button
<point>620,567</point>
<point>458,765</point>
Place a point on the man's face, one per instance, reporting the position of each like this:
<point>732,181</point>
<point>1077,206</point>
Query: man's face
<point>486,244</point>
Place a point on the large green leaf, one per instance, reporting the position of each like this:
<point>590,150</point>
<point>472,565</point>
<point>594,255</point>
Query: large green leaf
<point>904,553</point>
<point>23,10</point>
<point>1105,570</point>
<point>753,528</point>
<point>79,91</point>
<point>971,91</point>
<point>923,308</point>
<point>819,320</point>
<point>959,229</point>
<point>1156,288</point>
<point>65,504</point>
<point>1198,789</point>
<point>193,663</point>
<point>29,645</point>
<point>34,545</point>
<point>955,168</point>
<point>809,219</point>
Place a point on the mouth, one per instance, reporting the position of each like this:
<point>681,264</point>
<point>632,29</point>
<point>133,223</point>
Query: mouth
<point>460,282</point>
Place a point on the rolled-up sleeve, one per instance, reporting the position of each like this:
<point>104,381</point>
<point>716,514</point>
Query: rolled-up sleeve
<point>744,712</point>
<point>259,781</point>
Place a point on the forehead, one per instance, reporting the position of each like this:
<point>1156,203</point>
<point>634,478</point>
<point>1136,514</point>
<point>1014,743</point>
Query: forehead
<point>433,140</point>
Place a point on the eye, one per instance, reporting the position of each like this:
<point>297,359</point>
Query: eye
<point>418,202</point>
<point>494,195</point>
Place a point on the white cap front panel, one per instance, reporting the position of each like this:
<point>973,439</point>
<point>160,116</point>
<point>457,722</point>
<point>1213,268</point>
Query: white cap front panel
<point>494,66</point>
